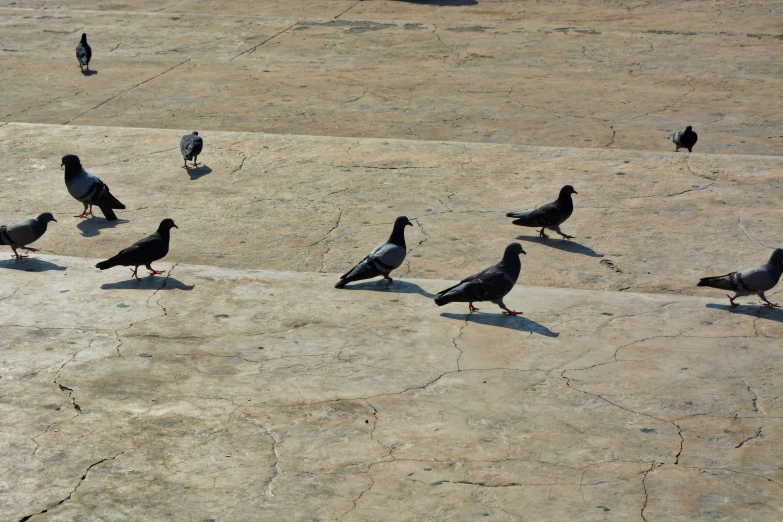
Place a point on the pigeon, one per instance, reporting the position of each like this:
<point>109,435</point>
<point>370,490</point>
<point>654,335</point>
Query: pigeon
<point>755,280</point>
<point>22,233</point>
<point>684,138</point>
<point>491,284</point>
<point>84,53</point>
<point>190,146</point>
<point>550,216</point>
<point>89,189</point>
<point>383,259</point>
<point>144,251</point>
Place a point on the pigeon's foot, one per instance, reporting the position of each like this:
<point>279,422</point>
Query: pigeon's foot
<point>731,300</point>
<point>472,308</point>
<point>18,256</point>
<point>542,234</point>
<point>84,214</point>
<point>134,270</point>
<point>195,164</point>
<point>31,249</point>
<point>566,236</point>
<point>770,305</point>
<point>506,311</point>
<point>157,272</point>
<point>185,166</point>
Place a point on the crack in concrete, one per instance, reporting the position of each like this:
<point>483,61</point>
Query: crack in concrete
<point>84,477</point>
<point>644,486</point>
<point>253,49</point>
<point>756,436</point>
<point>614,133</point>
<point>275,467</point>
<point>327,236</point>
<point>242,164</point>
<point>126,91</point>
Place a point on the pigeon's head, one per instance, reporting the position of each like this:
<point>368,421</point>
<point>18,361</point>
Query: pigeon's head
<point>402,222</point>
<point>777,257</point>
<point>84,37</point>
<point>195,133</point>
<point>514,249</point>
<point>45,218</point>
<point>688,128</point>
<point>167,224</point>
<point>567,191</point>
<point>71,162</point>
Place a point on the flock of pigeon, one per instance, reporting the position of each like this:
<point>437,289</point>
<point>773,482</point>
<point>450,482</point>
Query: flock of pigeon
<point>491,284</point>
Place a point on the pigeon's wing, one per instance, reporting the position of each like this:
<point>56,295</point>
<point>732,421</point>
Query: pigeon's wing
<point>723,282</point>
<point>91,190</point>
<point>143,251</point>
<point>490,284</point>
<point>675,137</point>
<point>546,216</point>
<point>757,279</point>
<point>81,55</point>
<point>190,145</point>
<point>387,257</point>
<point>20,233</point>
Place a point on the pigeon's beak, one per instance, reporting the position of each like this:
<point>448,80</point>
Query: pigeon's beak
<point>62,165</point>
<point>575,192</point>
<point>175,226</point>
<point>54,220</point>
<point>523,252</point>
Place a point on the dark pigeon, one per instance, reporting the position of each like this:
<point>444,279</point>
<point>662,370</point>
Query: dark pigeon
<point>491,284</point>
<point>750,281</point>
<point>21,233</point>
<point>684,139</point>
<point>550,216</point>
<point>89,189</point>
<point>145,251</point>
<point>383,259</point>
<point>190,146</point>
<point>84,53</point>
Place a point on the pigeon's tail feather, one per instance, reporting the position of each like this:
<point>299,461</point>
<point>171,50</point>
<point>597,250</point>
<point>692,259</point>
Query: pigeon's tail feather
<point>109,213</point>
<point>523,218</point>
<point>341,283</point>
<point>109,263</point>
<point>110,201</point>
<point>723,282</point>
<point>446,296</point>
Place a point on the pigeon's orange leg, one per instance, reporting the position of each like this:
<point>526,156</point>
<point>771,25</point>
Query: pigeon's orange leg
<point>153,271</point>
<point>768,304</point>
<point>731,300</point>
<point>472,308</point>
<point>31,249</point>
<point>508,311</point>
<point>17,255</point>
<point>134,270</point>
<point>541,233</point>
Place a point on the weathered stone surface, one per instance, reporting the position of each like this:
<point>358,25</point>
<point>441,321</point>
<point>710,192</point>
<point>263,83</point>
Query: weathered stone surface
<point>240,394</point>
<point>643,221</point>
<point>242,386</point>
<point>576,75</point>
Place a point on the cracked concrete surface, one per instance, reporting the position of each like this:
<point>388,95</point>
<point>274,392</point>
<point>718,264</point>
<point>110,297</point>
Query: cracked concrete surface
<point>240,385</point>
<point>352,405</point>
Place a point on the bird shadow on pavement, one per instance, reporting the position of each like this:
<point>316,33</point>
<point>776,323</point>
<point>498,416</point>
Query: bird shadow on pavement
<point>93,226</point>
<point>761,312</point>
<point>518,322</point>
<point>198,172</point>
<point>90,72</point>
<point>397,287</point>
<point>30,264</point>
<point>148,283</point>
<point>443,3</point>
<point>562,244</point>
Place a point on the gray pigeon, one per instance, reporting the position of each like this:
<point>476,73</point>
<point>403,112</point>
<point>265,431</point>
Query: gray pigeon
<point>491,284</point>
<point>190,146</point>
<point>750,281</point>
<point>21,233</point>
<point>89,189</point>
<point>383,259</point>
<point>550,216</point>
<point>84,53</point>
<point>684,139</point>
